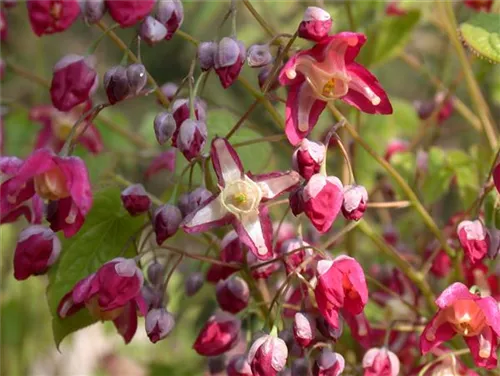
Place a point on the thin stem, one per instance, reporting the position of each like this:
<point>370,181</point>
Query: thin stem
<point>332,239</point>
<point>350,16</point>
<point>268,28</point>
<point>387,290</point>
<point>443,357</point>
<point>200,257</point>
<point>273,138</point>
<point>242,119</point>
<point>347,160</point>
<point>27,74</point>
<point>393,204</point>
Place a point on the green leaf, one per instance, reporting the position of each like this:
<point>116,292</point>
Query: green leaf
<point>102,238</point>
<point>20,133</point>
<point>482,35</point>
<point>438,178</point>
<point>387,38</point>
<point>465,169</point>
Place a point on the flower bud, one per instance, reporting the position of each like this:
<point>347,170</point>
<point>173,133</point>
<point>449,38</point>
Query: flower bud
<point>220,334</point>
<point>494,247</point>
<point>315,25</point>
<point>165,126</point>
<point>92,10</point>
<point>327,330</point>
<point>152,31</point>
<point>268,355</point>
<point>159,323</point>
<point>300,367</point>
<point>73,82</point>
<point>395,146</point>
<point>128,12</point>
<point>229,60</point>
<point>116,84</point>
<point>171,14</point>
<point>156,273</point>
<point>259,55</point>
<point>238,366</point>
<point>166,221</point>
<point>304,329</point>
<point>206,55</point>
<point>232,294</point>
<point>323,199</point>
<point>424,108</point>
<point>474,239</point>
<point>380,362</point>
<point>354,204</point>
<point>153,296</point>
<point>329,363</point>
<point>191,201</point>
<point>163,161</point>
<point>137,78</point>
<point>135,199</point>
<point>263,76</point>
<point>37,248</point>
<point>49,17</point>
<point>293,261</point>
<point>192,138</point>
<point>169,89</point>
<point>193,284</point>
<point>216,364</point>
<point>297,201</point>
<point>231,251</point>
<point>308,158</point>
<point>181,112</point>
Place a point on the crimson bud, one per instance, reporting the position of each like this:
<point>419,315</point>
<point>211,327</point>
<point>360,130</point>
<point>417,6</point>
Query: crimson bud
<point>232,294</point>
<point>267,356</point>
<point>354,204</point>
<point>171,14</point>
<point>166,221</point>
<point>474,239</point>
<point>308,158</point>
<point>129,12</point>
<point>304,329</point>
<point>220,334</point>
<point>135,199</point>
<point>159,323</point>
<point>315,25</point>
<point>192,138</point>
<point>380,362</point>
<point>229,60</point>
<point>329,363</point>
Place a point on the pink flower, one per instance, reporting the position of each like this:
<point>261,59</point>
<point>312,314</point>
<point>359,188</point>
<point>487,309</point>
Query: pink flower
<point>238,366</point>
<point>315,25</point>
<point>380,362</point>
<point>442,264</point>
<point>56,127</point>
<point>327,72</point>
<point>329,363</point>
<point>322,200</point>
<point>73,82</point>
<point>393,9</point>
<point>232,294</point>
<point>479,5</point>
<point>220,334</point>
<point>52,16</point>
<point>111,293</point>
<point>228,60</point>
<point>129,12</point>
<point>159,323</point>
<point>62,180</point>
<point>37,248</point>
<point>474,239</point>
<point>304,329</point>
<point>460,312</point>
<point>267,355</point>
<point>164,161</point>
<point>135,199</point>
<point>355,200</point>
<point>308,158</point>
<point>341,285</point>
<point>395,146</point>
<point>239,201</point>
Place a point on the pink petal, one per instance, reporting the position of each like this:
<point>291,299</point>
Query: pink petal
<point>443,333</point>
<point>354,43</point>
<point>255,231</point>
<point>496,177</point>
<point>490,308</point>
<point>302,112</point>
<point>275,183</point>
<point>45,138</point>
<point>126,323</point>
<point>226,162</point>
<point>10,165</point>
<point>210,215</point>
<point>78,183</point>
<point>164,161</point>
<point>483,348</point>
<point>91,139</point>
<point>454,292</point>
<point>364,85</point>
<point>288,75</point>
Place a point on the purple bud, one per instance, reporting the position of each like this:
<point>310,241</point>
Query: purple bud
<point>354,204</point>
<point>135,199</point>
<point>300,367</point>
<point>166,221</point>
<point>216,364</point>
<point>152,296</point>
<point>206,55</point>
<point>259,55</point>
<point>159,323</point>
<point>327,330</point>
<point>169,89</point>
<point>494,247</point>
<point>329,363</point>
<point>116,84</point>
<point>137,77</point>
<point>156,272</point>
<point>171,14</point>
<point>232,294</point>
<point>263,77</point>
<point>193,283</point>
<point>92,10</point>
<point>152,31</point>
<point>315,25</point>
<point>165,126</point>
<point>424,108</point>
<point>238,366</point>
<point>189,202</point>
<point>297,201</point>
<point>229,60</point>
<point>192,138</point>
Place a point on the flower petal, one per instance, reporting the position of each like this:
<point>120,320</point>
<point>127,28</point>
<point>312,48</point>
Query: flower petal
<point>211,214</point>
<point>226,162</point>
<point>255,231</point>
<point>164,161</point>
<point>91,139</point>
<point>454,292</point>
<point>354,43</point>
<point>275,183</point>
<point>126,323</point>
<point>491,311</point>
<point>302,112</point>
<point>437,331</point>
<point>483,348</point>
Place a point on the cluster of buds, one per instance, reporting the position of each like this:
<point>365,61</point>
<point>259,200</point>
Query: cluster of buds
<point>123,82</point>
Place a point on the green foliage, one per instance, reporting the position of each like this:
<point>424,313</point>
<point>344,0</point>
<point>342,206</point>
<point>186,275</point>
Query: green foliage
<point>101,239</point>
<point>438,178</point>
<point>17,125</point>
<point>481,33</point>
<point>465,168</point>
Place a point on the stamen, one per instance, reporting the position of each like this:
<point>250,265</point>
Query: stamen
<point>329,87</point>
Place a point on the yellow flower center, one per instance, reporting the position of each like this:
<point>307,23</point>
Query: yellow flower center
<point>51,185</point>
<point>329,88</point>
<point>241,196</point>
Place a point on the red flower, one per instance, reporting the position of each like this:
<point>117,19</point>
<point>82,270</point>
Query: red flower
<point>73,82</point>
<point>355,201</point>
<point>324,73</point>
<point>52,16</point>
<point>220,334</point>
<point>474,239</point>
<point>380,362</point>
<point>112,293</point>
<point>56,127</point>
<point>267,356</point>
<point>463,313</point>
<point>129,12</point>
<point>479,5</point>
<point>62,180</point>
<point>315,25</point>
<point>37,248</point>
<point>341,285</point>
<point>308,158</point>
<point>304,329</point>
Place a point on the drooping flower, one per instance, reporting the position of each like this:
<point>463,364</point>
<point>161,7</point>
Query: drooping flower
<point>315,24</point>
<point>220,334</point>
<point>63,181</point>
<point>238,366</point>
<point>232,294</point>
<point>171,15</point>
<point>380,362</point>
<point>324,73</point>
<point>304,329</point>
<point>135,199</point>
<point>228,60</point>
<point>159,323</point>
<point>267,355</point>
<point>166,221</point>
<point>56,127</point>
<point>308,158</point>
<point>129,12</point>
<point>239,201</point>
<point>355,201</point>
<point>475,318</point>
<point>474,239</point>
<point>341,285</point>
<point>152,31</point>
<point>52,16</point>
<point>329,363</point>
<point>111,293</point>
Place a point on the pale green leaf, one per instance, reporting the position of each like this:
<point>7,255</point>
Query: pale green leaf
<point>481,33</point>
